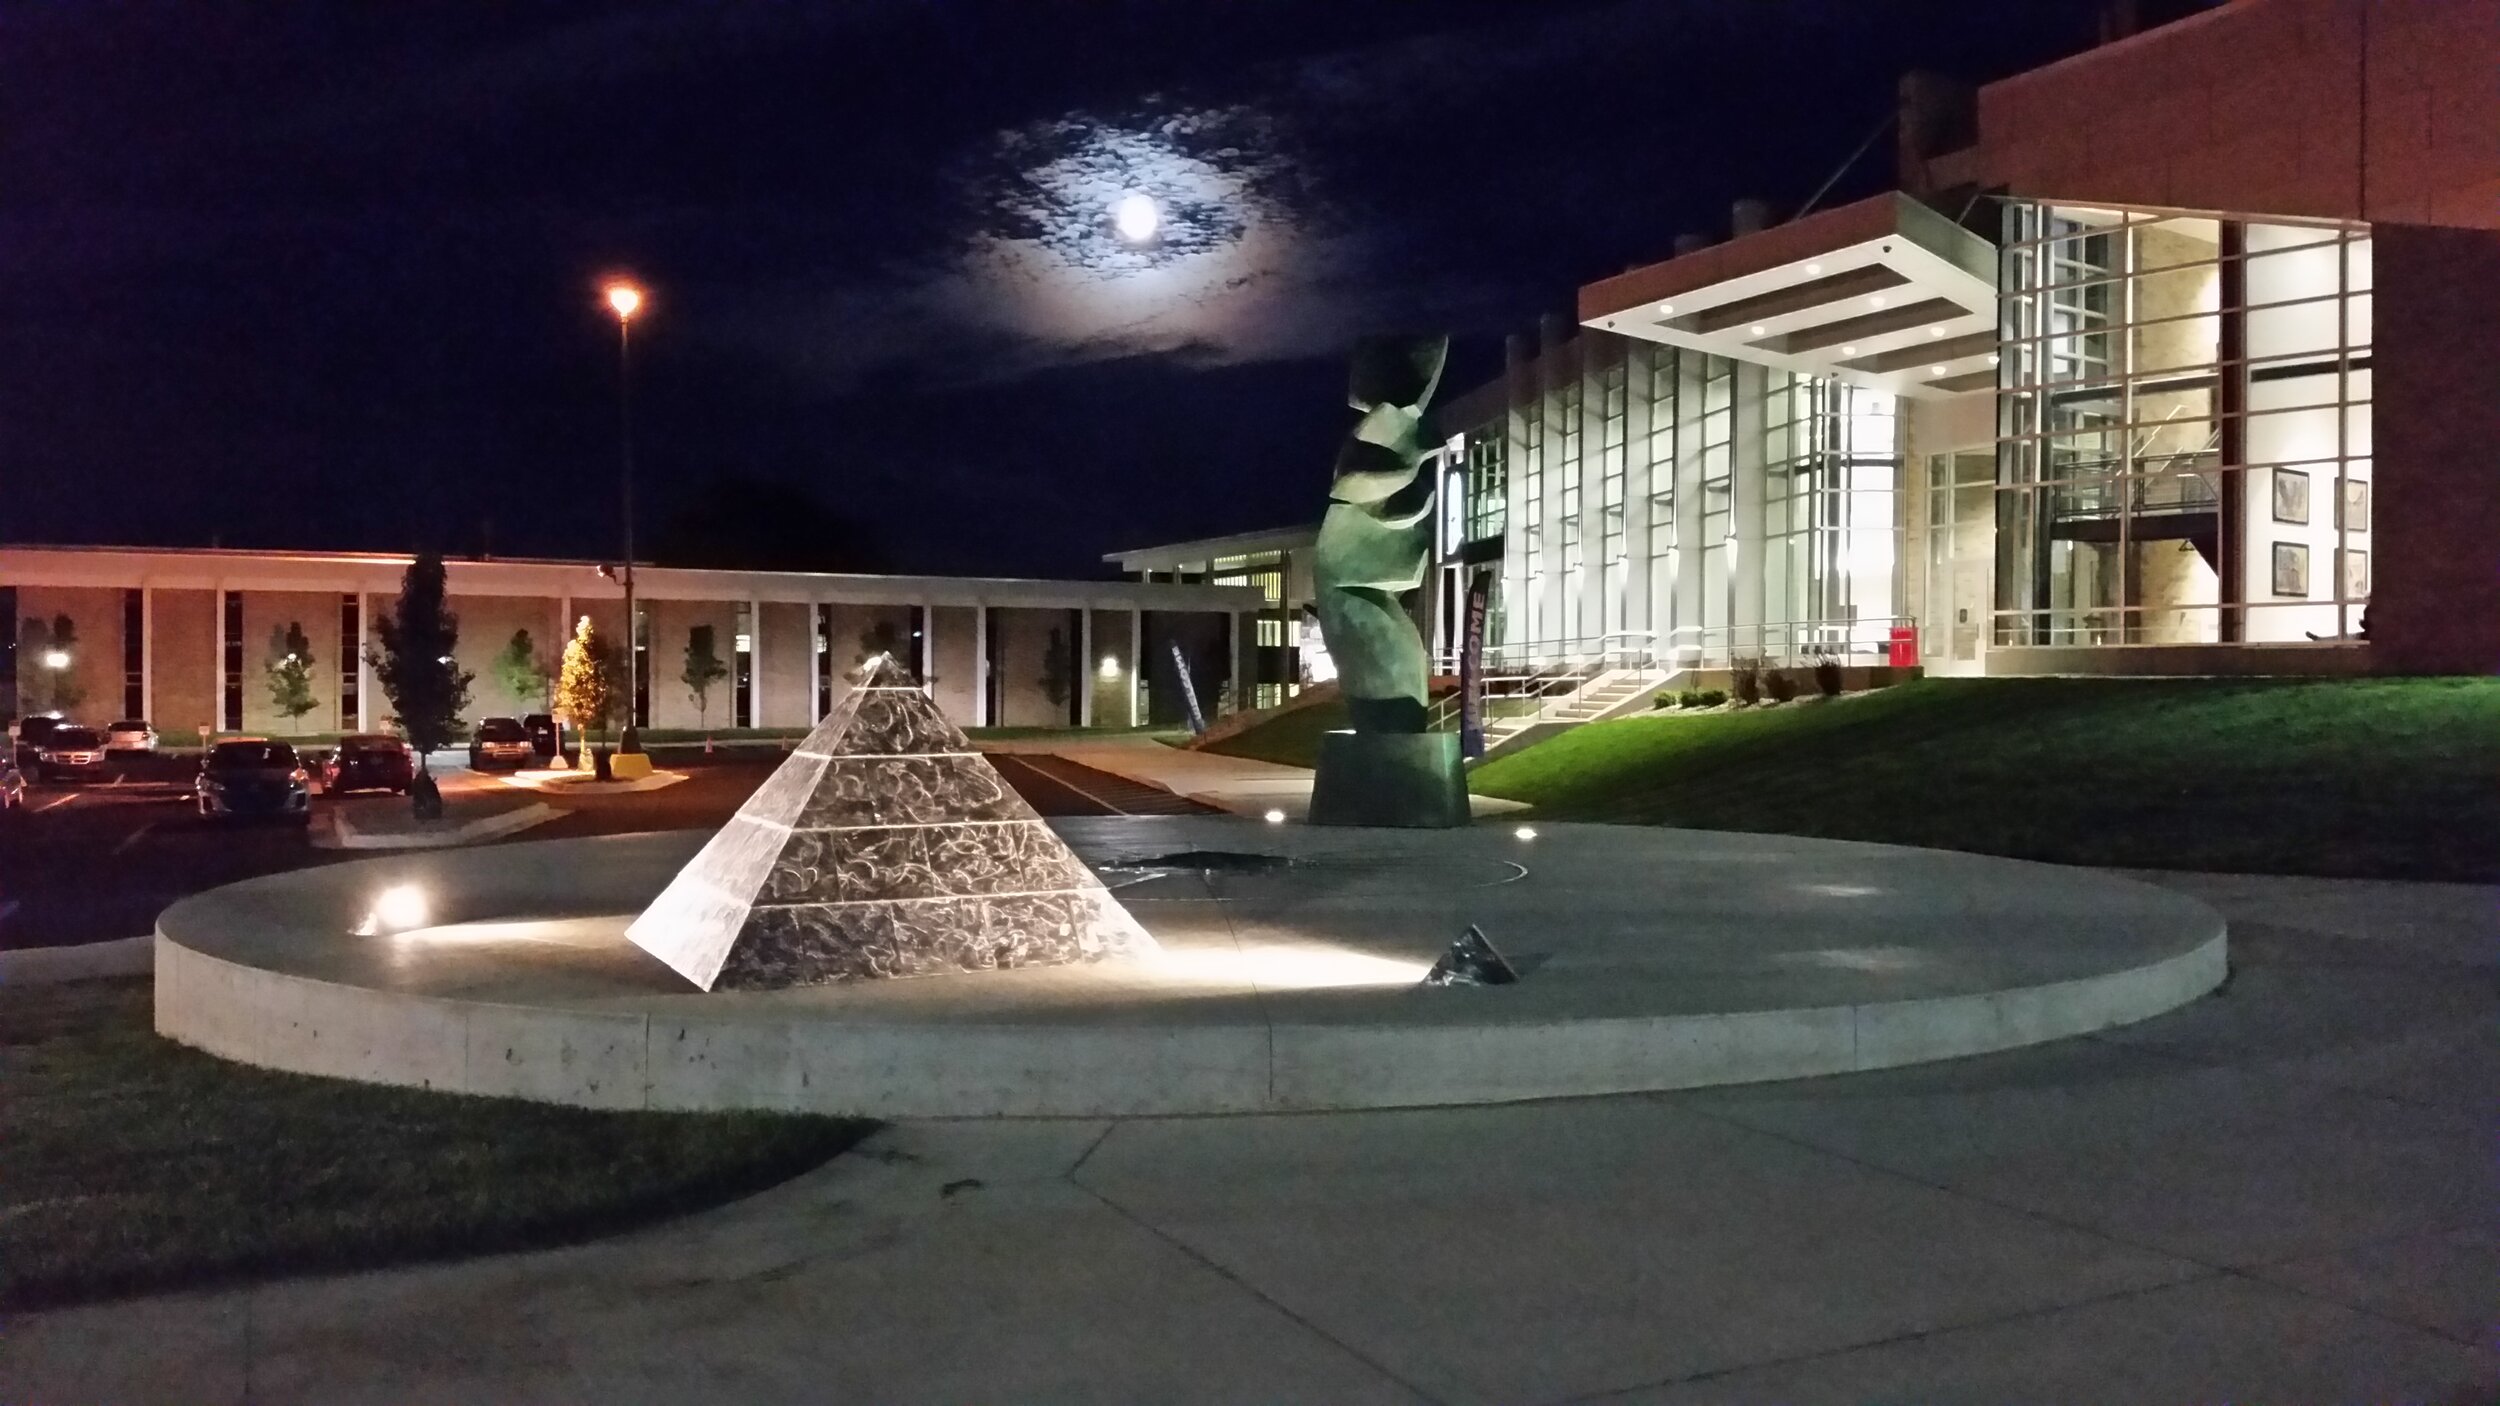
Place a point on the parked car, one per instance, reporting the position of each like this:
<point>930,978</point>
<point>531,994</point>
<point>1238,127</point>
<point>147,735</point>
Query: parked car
<point>130,735</point>
<point>31,731</point>
<point>369,762</point>
<point>542,731</point>
<point>12,786</point>
<point>501,742</point>
<point>70,754</point>
<point>252,777</point>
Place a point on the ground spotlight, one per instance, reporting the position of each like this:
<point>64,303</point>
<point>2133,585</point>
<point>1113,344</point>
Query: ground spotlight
<point>1525,832</point>
<point>395,909</point>
<point>1275,817</point>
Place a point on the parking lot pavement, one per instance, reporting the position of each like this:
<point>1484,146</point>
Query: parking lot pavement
<point>95,862</point>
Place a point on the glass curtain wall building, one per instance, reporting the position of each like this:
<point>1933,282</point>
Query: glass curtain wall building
<point>2184,409</point>
<point>1652,500</point>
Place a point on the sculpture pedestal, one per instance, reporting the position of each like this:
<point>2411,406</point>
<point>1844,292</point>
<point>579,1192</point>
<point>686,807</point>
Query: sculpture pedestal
<point>1410,779</point>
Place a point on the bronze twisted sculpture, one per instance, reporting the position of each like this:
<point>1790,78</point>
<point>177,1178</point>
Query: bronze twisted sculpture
<point>1375,545</point>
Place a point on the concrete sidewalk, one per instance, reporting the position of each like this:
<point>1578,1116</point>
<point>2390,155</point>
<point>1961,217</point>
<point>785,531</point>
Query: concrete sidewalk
<point>2282,1193</point>
<point>1235,784</point>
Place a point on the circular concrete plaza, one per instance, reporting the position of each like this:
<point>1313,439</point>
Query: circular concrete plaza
<point>1288,978</point>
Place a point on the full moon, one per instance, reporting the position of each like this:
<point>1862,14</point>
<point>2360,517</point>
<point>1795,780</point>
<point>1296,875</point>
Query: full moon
<point>1136,218</point>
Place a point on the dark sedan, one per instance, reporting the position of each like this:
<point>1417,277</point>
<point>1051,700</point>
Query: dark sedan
<point>250,777</point>
<point>501,742</point>
<point>369,762</point>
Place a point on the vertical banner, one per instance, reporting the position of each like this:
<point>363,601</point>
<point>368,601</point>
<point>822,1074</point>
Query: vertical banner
<point>1189,690</point>
<point>1471,665</point>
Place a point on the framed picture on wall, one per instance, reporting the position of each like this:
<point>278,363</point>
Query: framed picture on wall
<point>2291,568</point>
<point>2356,574</point>
<point>2353,513</point>
<point>2291,496</point>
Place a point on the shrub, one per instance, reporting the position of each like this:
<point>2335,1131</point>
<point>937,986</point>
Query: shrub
<point>1744,677</point>
<point>1665,698</point>
<point>1690,698</point>
<point>1827,677</point>
<point>1780,684</point>
<point>1709,698</point>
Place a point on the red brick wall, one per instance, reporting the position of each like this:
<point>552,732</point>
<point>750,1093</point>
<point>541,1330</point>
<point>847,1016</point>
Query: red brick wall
<point>2266,106</point>
<point>2435,605</point>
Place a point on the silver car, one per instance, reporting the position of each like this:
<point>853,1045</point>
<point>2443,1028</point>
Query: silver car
<point>130,735</point>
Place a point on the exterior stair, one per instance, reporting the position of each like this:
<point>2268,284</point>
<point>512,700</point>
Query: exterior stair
<point>1604,695</point>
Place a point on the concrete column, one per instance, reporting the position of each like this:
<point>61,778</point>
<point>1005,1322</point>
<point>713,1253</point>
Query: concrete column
<point>147,653</point>
<point>755,662</point>
<point>1086,667</point>
<point>981,666</point>
<point>1136,665</point>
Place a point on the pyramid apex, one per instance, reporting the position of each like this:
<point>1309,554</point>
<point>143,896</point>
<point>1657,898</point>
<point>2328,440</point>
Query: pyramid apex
<point>883,670</point>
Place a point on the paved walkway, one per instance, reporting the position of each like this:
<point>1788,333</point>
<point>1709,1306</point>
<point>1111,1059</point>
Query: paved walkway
<point>2282,1193</point>
<point>1235,784</point>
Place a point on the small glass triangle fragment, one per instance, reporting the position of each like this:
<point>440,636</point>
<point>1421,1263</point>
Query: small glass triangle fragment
<point>1472,960</point>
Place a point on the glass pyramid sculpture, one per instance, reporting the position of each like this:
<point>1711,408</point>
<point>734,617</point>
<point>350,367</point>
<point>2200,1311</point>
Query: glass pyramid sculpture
<point>885,846</point>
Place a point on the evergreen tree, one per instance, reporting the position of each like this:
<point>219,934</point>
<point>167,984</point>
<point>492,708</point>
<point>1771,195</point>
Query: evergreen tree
<point>703,669</point>
<point>1058,668</point>
<point>413,660</point>
<point>289,671</point>
<point>521,674</point>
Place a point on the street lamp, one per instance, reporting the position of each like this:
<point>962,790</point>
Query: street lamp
<point>56,659</point>
<point>624,299</point>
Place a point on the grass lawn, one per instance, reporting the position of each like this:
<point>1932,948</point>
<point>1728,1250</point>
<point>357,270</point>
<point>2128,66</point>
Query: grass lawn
<point>1289,737</point>
<point>1068,734</point>
<point>2397,778</point>
<point>129,1163</point>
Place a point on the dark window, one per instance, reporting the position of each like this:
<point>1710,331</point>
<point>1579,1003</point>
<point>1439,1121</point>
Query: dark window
<point>743,669</point>
<point>232,711</point>
<point>642,667</point>
<point>351,660</point>
<point>502,730</point>
<point>134,652</point>
<point>9,626</point>
<point>74,739</point>
<point>824,660</point>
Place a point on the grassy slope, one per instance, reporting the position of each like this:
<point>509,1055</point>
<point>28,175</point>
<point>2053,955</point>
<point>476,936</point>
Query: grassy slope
<point>130,1163</point>
<point>1291,738</point>
<point>2395,777</point>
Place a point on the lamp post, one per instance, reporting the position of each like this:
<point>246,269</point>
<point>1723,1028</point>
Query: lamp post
<point>624,299</point>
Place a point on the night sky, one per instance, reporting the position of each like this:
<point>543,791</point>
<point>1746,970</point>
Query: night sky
<point>325,276</point>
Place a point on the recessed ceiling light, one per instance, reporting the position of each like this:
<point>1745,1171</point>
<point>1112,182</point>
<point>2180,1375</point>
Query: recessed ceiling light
<point>1814,269</point>
<point>1666,309</point>
<point>1875,302</point>
<point>1849,351</point>
<point>1759,329</point>
<point>1992,358</point>
<point>1936,331</point>
<point>1935,370</point>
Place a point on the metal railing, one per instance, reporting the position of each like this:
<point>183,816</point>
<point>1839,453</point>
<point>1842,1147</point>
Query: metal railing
<point>1530,681</point>
<point>1784,644</point>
